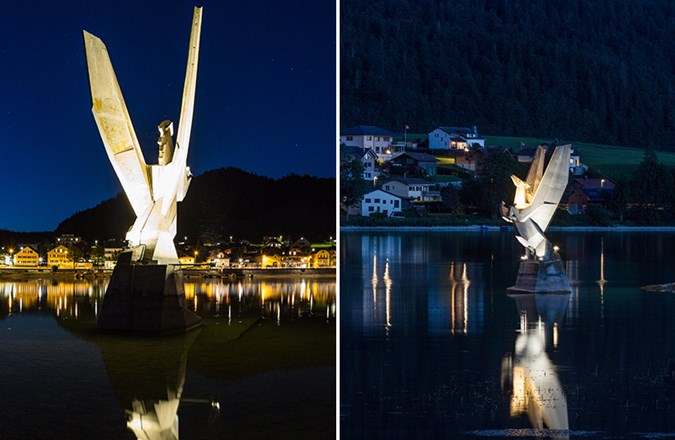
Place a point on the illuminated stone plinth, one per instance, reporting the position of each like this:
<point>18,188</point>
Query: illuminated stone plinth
<point>541,276</point>
<point>145,298</point>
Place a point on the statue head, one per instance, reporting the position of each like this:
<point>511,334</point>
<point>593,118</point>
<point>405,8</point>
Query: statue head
<point>165,142</point>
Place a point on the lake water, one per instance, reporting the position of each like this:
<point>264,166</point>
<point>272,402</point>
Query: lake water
<point>433,347</point>
<point>261,366</point>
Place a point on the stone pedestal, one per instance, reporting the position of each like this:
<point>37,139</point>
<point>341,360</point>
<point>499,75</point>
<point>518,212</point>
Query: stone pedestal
<point>536,276</point>
<point>146,298</point>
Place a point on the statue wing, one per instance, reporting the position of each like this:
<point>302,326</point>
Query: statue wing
<point>114,125</point>
<point>551,188</point>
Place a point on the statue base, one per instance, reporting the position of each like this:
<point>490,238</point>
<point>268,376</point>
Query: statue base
<point>536,276</point>
<point>147,299</point>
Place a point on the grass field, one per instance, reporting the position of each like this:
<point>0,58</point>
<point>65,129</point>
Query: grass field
<point>613,161</point>
<point>610,160</point>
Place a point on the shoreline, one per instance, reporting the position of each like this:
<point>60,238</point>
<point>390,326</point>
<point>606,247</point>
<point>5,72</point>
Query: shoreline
<point>505,228</point>
<point>24,274</point>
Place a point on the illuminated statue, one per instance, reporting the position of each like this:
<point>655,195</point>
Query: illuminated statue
<point>145,293</point>
<point>153,190</point>
<point>535,202</point>
<point>537,198</point>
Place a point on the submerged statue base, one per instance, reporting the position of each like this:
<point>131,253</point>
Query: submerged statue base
<point>541,276</point>
<point>146,298</point>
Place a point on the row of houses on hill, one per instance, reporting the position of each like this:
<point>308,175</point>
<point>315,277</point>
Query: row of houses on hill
<point>391,198</point>
<point>403,177</point>
<point>465,145</point>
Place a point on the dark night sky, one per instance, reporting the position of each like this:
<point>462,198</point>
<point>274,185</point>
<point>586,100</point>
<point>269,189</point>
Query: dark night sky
<point>265,94</point>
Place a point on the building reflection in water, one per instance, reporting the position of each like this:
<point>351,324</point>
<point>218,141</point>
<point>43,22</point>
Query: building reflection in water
<point>278,299</point>
<point>446,302</point>
<point>529,372</point>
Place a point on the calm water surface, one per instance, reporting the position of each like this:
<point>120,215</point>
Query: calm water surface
<point>262,366</point>
<point>433,347</point>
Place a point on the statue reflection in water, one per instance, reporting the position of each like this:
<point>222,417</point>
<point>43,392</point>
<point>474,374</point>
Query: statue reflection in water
<point>147,376</point>
<point>535,388</point>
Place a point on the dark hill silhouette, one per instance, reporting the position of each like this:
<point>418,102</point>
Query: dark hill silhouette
<point>227,202</point>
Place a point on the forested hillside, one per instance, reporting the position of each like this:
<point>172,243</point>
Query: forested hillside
<point>589,70</point>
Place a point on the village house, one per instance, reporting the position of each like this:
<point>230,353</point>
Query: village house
<point>219,259</point>
<point>381,141</point>
<point>26,257</point>
<point>526,156</point>
<point>471,160</point>
<point>367,157</point>
<point>589,191</point>
<point>459,138</point>
<point>414,164</point>
<point>110,255</point>
<point>323,258</point>
<point>59,257</point>
<point>413,188</point>
<point>381,201</point>
<point>186,259</point>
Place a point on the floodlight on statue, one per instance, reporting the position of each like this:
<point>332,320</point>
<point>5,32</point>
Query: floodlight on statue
<point>535,203</point>
<point>152,190</point>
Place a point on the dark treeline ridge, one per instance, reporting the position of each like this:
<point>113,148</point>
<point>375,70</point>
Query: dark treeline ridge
<point>228,202</point>
<point>590,70</point>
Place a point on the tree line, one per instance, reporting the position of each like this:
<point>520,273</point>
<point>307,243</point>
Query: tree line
<point>590,70</point>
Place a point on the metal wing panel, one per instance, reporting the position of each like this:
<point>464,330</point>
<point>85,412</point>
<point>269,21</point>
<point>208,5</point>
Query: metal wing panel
<point>114,125</point>
<point>536,171</point>
<point>551,188</point>
<point>188,102</point>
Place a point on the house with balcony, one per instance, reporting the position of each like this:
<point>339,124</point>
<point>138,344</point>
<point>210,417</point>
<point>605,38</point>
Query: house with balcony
<point>26,257</point>
<point>380,140</point>
<point>455,138</point>
<point>380,201</point>
<point>367,157</point>
<point>413,188</point>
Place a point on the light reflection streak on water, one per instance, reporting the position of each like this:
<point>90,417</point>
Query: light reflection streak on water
<point>459,306</point>
<point>601,282</point>
<point>387,286</point>
<point>467,283</point>
<point>453,284</point>
<point>283,299</point>
<point>374,283</point>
